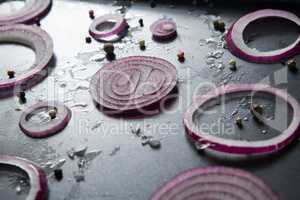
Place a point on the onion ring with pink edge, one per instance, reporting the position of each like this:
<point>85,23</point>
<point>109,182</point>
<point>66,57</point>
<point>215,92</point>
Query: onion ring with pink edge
<point>243,147</point>
<point>164,30</point>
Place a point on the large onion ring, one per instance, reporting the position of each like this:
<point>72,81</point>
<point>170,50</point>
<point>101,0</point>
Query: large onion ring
<point>120,26</point>
<point>52,127</point>
<point>164,30</point>
<point>38,179</point>
<point>32,11</point>
<point>238,47</point>
<point>215,183</point>
<point>40,42</point>
<point>244,147</point>
<point>122,84</point>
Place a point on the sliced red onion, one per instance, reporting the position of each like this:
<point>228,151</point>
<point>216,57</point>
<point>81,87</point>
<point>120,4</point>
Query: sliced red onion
<point>47,126</point>
<point>243,147</point>
<point>238,47</point>
<point>40,42</point>
<point>116,32</point>
<point>215,183</point>
<point>164,29</point>
<point>38,179</point>
<point>132,83</point>
<point>32,11</point>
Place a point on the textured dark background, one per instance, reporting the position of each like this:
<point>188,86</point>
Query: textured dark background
<point>135,172</point>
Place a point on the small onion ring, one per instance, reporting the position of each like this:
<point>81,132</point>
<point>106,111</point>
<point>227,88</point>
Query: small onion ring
<point>243,147</point>
<point>40,42</point>
<point>237,46</point>
<point>215,183</point>
<point>120,26</point>
<point>32,11</point>
<point>52,127</point>
<point>164,30</point>
<point>38,179</point>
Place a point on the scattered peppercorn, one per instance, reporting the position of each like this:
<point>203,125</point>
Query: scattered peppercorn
<point>88,39</point>
<point>181,57</point>
<point>141,22</point>
<point>256,108</point>
<point>232,64</point>
<point>92,14</point>
<point>292,65</point>
<point>58,173</point>
<point>239,122</point>
<point>142,44</point>
<point>52,113</point>
<point>219,26</point>
<point>153,4</point>
<point>38,23</point>
<point>11,74</point>
<point>22,97</point>
<point>109,48</point>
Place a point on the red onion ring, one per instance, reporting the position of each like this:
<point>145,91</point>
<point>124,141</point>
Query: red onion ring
<point>243,147</point>
<point>164,30</point>
<point>138,72</point>
<point>51,127</point>
<point>38,179</point>
<point>237,46</point>
<point>215,183</point>
<point>40,42</point>
<point>32,11</point>
<point>117,30</point>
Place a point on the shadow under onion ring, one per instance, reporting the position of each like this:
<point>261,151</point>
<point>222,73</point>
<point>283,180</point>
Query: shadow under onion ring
<point>133,83</point>
<point>239,48</point>
<point>215,183</point>
<point>37,177</point>
<point>51,126</point>
<point>40,42</point>
<point>32,12</point>
<point>247,148</point>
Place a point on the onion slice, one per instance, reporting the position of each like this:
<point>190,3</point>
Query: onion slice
<point>32,11</point>
<point>164,30</point>
<point>49,126</point>
<point>243,147</point>
<point>133,83</point>
<point>114,33</point>
<point>40,42</point>
<point>215,183</point>
<point>38,179</point>
<point>238,47</point>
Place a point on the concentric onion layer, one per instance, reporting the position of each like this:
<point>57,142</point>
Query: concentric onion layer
<point>40,42</point>
<point>215,183</point>
<point>238,47</point>
<point>51,126</point>
<point>243,147</point>
<point>32,11</point>
<point>133,82</point>
<point>38,179</point>
<point>120,26</point>
<point>164,29</point>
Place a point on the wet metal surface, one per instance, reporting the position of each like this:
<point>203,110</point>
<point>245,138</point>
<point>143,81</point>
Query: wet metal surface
<point>125,169</point>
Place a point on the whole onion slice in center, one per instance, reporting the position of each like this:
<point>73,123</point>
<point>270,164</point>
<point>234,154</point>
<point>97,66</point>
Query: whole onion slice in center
<point>32,11</point>
<point>38,179</point>
<point>40,42</point>
<point>242,147</point>
<point>46,126</point>
<point>164,30</point>
<point>220,183</point>
<point>114,33</point>
<point>238,47</point>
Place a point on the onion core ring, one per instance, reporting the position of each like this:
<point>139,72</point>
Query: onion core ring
<point>244,147</point>
<point>238,47</point>
<point>38,179</point>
